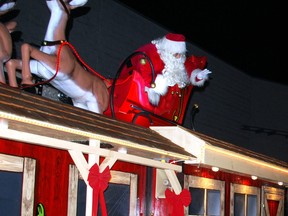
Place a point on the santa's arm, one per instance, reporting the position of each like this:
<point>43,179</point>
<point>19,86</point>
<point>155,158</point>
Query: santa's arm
<point>196,69</point>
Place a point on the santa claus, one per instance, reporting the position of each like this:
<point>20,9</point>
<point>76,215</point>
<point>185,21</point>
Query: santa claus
<point>168,57</point>
<point>156,81</point>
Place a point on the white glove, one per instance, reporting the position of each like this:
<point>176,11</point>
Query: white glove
<point>198,77</point>
<point>203,74</point>
<point>77,3</point>
<point>153,97</point>
<point>160,88</point>
<point>7,6</point>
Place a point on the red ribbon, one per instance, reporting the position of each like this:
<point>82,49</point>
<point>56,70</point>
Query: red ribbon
<point>176,203</point>
<point>99,182</point>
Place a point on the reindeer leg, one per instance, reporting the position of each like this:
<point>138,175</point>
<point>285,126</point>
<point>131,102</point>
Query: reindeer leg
<point>29,52</point>
<point>5,49</point>
<point>4,56</point>
<point>2,77</point>
<point>11,66</point>
<point>26,50</point>
<point>100,91</point>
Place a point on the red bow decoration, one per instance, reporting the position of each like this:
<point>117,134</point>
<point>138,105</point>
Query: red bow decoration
<point>99,182</point>
<point>176,202</point>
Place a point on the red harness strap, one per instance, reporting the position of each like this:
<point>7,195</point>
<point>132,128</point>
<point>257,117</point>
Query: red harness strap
<point>63,43</point>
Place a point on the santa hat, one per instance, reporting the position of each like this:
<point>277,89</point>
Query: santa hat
<point>174,43</point>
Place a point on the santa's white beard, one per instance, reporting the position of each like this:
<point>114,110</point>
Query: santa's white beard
<point>174,71</point>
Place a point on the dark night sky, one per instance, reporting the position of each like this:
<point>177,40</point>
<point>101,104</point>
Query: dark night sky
<point>250,36</point>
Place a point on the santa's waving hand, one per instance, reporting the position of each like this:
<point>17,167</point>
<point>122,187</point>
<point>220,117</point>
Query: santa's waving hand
<point>196,69</point>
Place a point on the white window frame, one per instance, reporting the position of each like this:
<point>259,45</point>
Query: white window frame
<point>246,190</point>
<point>206,184</point>
<point>27,166</point>
<point>117,177</point>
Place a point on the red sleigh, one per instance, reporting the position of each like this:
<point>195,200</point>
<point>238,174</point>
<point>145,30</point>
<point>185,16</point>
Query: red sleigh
<point>129,102</point>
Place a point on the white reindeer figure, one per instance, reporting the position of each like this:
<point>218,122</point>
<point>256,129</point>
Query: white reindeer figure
<point>86,90</point>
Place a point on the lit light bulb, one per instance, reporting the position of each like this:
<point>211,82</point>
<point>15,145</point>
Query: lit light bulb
<point>280,183</point>
<point>122,150</point>
<point>215,169</point>
<point>254,177</point>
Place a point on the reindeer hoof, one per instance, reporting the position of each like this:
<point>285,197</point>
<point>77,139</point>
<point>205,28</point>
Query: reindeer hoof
<point>28,88</point>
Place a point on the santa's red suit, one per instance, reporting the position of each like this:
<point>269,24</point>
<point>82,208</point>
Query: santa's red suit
<point>164,89</point>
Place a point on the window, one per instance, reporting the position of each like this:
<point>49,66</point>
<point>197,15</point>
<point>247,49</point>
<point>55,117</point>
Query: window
<point>208,196</point>
<point>272,201</point>
<point>245,200</point>
<point>17,182</point>
<point>121,183</point>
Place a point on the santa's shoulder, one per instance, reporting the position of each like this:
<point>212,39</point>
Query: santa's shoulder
<point>148,48</point>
